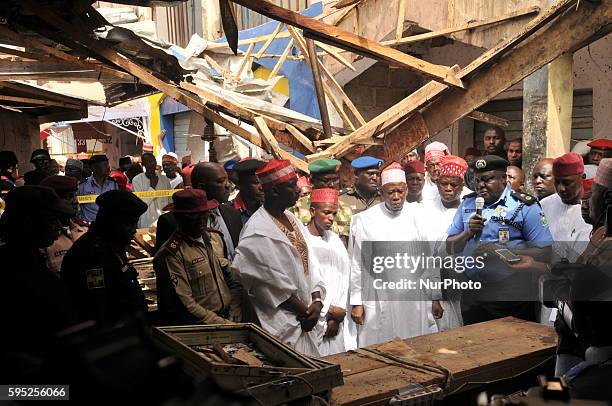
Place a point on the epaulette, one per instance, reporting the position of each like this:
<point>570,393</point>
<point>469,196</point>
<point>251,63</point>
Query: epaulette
<point>345,191</point>
<point>173,243</point>
<point>524,198</point>
<point>473,194</point>
<point>214,230</point>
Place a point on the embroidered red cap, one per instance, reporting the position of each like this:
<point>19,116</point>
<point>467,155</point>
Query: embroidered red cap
<point>275,172</point>
<point>324,196</point>
<point>303,182</point>
<point>452,165</point>
<point>568,164</point>
<point>393,173</point>
<point>600,143</point>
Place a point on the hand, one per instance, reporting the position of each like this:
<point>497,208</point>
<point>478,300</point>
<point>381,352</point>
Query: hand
<point>336,313</point>
<point>332,328</point>
<point>358,314</point>
<point>311,317</point>
<point>482,249</point>
<point>436,309</point>
<point>526,263</point>
<point>476,224</point>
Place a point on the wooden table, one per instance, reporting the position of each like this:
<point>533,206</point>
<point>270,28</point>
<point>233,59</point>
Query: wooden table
<point>473,355</point>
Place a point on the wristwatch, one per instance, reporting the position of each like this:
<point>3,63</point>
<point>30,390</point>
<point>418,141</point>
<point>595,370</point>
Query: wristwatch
<point>317,300</point>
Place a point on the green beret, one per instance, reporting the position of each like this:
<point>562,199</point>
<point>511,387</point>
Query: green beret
<point>324,166</point>
<point>489,163</point>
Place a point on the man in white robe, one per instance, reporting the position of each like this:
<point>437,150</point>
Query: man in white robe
<point>333,259</point>
<point>571,234</point>
<point>150,181</point>
<point>378,318</point>
<point>278,271</point>
<point>437,216</point>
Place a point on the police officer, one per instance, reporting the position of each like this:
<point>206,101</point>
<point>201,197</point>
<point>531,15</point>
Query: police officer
<point>509,219</point>
<point>96,184</point>
<point>102,284</point>
<point>72,228</point>
<point>324,175</point>
<point>41,160</point>
<point>194,282</point>
<point>365,191</point>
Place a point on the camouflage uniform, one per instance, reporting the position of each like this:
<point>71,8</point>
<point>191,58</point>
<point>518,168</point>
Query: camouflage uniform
<point>350,197</point>
<point>342,221</point>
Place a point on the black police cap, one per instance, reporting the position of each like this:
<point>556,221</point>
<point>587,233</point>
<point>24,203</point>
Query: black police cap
<point>489,163</point>
<point>248,166</point>
<point>40,154</point>
<point>121,203</point>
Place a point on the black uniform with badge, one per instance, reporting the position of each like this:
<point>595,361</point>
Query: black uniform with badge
<point>102,284</point>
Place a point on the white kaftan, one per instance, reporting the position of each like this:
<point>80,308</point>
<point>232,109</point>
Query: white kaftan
<point>271,270</point>
<point>384,319</point>
<point>141,183</point>
<point>334,263</point>
<point>435,222</point>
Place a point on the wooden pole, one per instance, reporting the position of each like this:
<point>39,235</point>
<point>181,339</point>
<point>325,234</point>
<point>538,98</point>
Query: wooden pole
<point>316,76</point>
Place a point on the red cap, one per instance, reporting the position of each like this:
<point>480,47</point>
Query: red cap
<point>120,178</point>
<point>324,196</point>
<point>303,182</point>
<point>61,184</point>
<point>568,164</point>
<point>275,172</point>
<point>601,143</point>
<point>187,174</point>
<point>452,165</point>
<point>414,166</point>
<point>587,184</point>
<point>191,201</point>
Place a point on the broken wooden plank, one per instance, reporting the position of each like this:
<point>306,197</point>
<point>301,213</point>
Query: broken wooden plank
<point>41,102</point>
<point>401,16</point>
<point>297,134</point>
<point>245,59</point>
<point>215,65</point>
<point>266,44</point>
<point>346,40</point>
<point>22,54</point>
<point>334,54</point>
<point>281,60</point>
<point>469,26</point>
<point>318,85</point>
<point>275,149</point>
<point>346,3</point>
<point>347,100</point>
<point>488,118</point>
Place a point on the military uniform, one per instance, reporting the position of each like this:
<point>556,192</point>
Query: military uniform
<point>350,197</point>
<point>55,253</point>
<point>342,221</point>
<point>102,283</point>
<point>194,281</point>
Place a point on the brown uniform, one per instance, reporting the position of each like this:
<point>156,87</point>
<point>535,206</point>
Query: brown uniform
<point>56,252</point>
<point>194,282</point>
<point>351,198</point>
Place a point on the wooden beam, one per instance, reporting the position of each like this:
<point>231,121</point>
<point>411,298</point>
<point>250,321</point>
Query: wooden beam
<point>488,118</point>
<point>569,32</point>
<point>268,41</point>
<point>281,60</point>
<point>347,100</point>
<point>38,93</point>
<point>215,65</point>
<point>401,16</point>
<point>469,26</point>
<point>33,43</point>
<point>318,85</point>
<point>21,54</point>
<point>343,15</point>
<point>274,148</point>
<point>297,134</point>
<point>245,60</point>
<point>346,40</point>
<point>336,55</point>
<point>41,102</point>
<point>345,3</point>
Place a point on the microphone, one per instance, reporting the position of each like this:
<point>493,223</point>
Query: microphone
<point>479,205</point>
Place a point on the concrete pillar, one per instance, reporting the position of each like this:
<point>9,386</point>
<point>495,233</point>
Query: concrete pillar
<point>535,106</point>
<point>211,19</point>
<point>560,102</point>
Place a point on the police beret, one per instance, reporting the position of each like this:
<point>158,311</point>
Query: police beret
<point>324,166</point>
<point>39,154</point>
<point>366,162</point>
<point>229,165</point>
<point>489,163</point>
<point>61,184</point>
<point>601,143</point>
<point>248,166</point>
<point>98,158</point>
<point>121,204</point>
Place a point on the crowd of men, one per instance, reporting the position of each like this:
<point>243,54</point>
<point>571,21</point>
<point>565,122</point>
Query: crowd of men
<point>287,250</point>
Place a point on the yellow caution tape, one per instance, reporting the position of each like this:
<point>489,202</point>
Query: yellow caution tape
<point>149,194</point>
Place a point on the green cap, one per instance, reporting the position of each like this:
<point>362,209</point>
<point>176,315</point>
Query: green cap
<point>324,166</point>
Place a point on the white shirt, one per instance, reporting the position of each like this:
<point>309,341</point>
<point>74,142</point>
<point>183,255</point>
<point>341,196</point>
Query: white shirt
<point>385,319</point>
<point>175,182</point>
<point>141,183</point>
<point>335,271</point>
<point>271,270</point>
